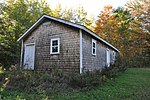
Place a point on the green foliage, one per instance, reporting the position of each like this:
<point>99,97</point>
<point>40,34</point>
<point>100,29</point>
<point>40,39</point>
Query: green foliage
<point>1,70</point>
<point>133,84</point>
<point>17,16</point>
<point>78,16</point>
<point>8,43</point>
<point>97,77</point>
<point>21,95</point>
<point>140,11</point>
<point>86,80</point>
<point>52,82</point>
<point>126,28</point>
<point>42,83</point>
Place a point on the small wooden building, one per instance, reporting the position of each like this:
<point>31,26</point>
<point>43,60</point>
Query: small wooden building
<point>53,43</point>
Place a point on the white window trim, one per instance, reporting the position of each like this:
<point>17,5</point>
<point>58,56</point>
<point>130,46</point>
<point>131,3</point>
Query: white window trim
<point>52,46</point>
<point>114,55</point>
<point>93,41</point>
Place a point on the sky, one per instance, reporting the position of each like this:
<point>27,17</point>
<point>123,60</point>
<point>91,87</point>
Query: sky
<point>91,6</point>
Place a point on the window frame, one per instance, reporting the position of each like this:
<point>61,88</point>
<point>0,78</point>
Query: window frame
<point>114,55</point>
<point>51,46</point>
<point>93,41</point>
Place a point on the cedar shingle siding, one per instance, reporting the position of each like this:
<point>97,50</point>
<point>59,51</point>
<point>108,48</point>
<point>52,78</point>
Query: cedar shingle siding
<point>75,46</point>
<point>68,59</point>
<point>94,62</point>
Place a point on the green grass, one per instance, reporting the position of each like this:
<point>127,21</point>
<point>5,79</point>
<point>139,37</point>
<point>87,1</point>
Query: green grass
<point>133,84</point>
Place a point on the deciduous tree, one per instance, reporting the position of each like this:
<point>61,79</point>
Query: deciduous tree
<point>140,27</point>
<point>17,16</point>
<point>112,25</point>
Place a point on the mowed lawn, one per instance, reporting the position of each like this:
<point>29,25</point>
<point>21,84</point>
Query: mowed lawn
<point>133,84</point>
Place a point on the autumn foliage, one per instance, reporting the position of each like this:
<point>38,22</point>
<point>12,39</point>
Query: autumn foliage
<point>110,27</point>
<point>128,30</point>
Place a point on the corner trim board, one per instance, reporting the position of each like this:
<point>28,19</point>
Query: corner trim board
<point>21,58</point>
<point>81,56</point>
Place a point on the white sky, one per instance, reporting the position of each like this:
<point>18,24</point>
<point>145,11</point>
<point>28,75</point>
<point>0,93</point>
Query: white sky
<point>91,6</point>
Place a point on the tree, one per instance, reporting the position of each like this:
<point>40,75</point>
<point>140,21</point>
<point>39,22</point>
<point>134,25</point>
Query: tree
<point>17,16</point>
<point>124,18</point>
<point>140,26</point>
<point>140,9</point>
<point>56,12</point>
<point>8,46</point>
<point>78,16</point>
<point>107,26</point>
<point>128,30</point>
<point>113,26</point>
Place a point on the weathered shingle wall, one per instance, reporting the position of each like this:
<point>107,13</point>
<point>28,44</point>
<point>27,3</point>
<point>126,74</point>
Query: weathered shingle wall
<point>93,62</point>
<point>69,57</point>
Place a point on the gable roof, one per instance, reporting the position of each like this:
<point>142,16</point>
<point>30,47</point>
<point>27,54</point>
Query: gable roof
<point>40,20</point>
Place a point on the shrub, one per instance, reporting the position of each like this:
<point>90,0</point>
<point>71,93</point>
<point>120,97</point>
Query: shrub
<point>34,81</point>
<point>86,80</point>
<point>114,69</point>
<point>51,82</point>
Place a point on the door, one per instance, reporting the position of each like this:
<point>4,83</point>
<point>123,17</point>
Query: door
<point>29,55</point>
<point>107,57</point>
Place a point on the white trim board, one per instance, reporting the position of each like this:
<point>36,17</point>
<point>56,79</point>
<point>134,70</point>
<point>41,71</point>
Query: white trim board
<point>68,23</point>
<point>58,39</point>
<point>108,59</point>
<point>81,52</point>
<point>21,55</point>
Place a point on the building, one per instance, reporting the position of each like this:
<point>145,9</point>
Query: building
<point>53,43</point>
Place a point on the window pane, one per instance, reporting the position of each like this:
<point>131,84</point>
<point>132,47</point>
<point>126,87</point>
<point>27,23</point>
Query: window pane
<point>93,44</point>
<point>55,42</point>
<point>93,51</point>
<point>54,49</point>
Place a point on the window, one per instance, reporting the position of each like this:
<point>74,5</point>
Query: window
<point>93,47</point>
<point>54,49</point>
<point>114,54</point>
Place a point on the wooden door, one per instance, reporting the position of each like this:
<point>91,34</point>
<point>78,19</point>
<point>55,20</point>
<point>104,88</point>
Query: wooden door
<point>29,55</point>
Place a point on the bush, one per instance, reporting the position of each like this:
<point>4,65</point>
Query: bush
<point>52,82</point>
<point>97,77</point>
<point>86,80</point>
<point>34,81</point>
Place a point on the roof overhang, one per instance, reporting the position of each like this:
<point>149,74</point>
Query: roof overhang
<point>40,20</point>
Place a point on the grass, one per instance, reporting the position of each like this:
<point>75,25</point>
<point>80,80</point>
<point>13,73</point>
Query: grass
<point>133,84</point>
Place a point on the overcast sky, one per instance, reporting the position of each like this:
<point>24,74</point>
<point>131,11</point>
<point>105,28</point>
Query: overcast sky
<point>91,6</point>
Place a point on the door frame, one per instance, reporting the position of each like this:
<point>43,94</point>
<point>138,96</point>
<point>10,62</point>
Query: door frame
<point>25,45</point>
